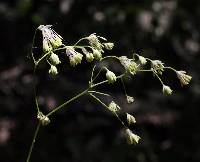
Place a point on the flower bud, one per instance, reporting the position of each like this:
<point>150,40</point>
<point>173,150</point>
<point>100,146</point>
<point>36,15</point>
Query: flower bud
<point>46,46</point>
<point>130,119</point>
<point>129,99</point>
<point>157,66</point>
<point>97,54</point>
<point>167,90</point>
<point>43,119</point>
<point>113,107</point>
<point>53,70</point>
<point>131,137</point>
<point>142,60</point>
<point>54,59</point>
<point>108,46</point>
<point>75,59</point>
<point>89,57</point>
<point>111,76</point>
<point>183,77</point>
<point>128,64</point>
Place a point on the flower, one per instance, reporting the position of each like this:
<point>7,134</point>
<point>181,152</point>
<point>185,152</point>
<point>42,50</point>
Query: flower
<point>53,70</point>
<point>131,137</point>
<point>167,90</point>
<point>89,57</point>
<point>43,119</point>
<point>183,77</point>
<point>128,64</point>
<point>111,76</point>
<point>113,107</point>
<point>74,57</point>
<point>108,46</point>
<point>51,39</point>
<point>130,119</point>
<point>94,41</point>
<point>157,66</point>
<point>97,54</point>
<point>129,99</point>
<point>54,59</point>
<point>142,60</point>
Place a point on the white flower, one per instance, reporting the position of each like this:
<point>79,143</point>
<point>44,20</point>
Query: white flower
<point>183,77</point>
<point>111,76</point>
<point>167,90</point>
<point>142,60</point>
<point>129,99</point>
<point>157,66</point>
<point>97,54</point>
<point>74,57</point>
<point>108,46</point>
<point>94,41</point>
<point>50,38</point>
<point>53,70</point>
<point>130,119</point>
<point>113,107</point>
<point>131,137</point>
<point>43,119</point>
<point>54,59</point>
<point>128,64</point>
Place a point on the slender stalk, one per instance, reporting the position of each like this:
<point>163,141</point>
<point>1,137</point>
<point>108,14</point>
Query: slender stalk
<point>33,142</point>
<point>67,102</point>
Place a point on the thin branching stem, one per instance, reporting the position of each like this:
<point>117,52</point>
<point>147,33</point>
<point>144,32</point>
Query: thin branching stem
<point>67,102</point>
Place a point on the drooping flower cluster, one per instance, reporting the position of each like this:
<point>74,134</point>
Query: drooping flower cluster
<point>128,64</point>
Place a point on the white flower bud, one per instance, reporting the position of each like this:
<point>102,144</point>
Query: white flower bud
<point>183,77</point>
<point>43,119</point>
<point>167,90</point>
<point>157,66</point>
<point>97,54</point>
<point>131,137</point>
<point>89,57</point>
<point>142,60</point>
<point>53,70</point>
<point>111,76</point>
<point>54,59</point>
<point>113,107</point>
<point>130,119</point>
<point>129,99</point>
<point>74,57</point>
<point>108,46</point>
<point>128,64</point>
<point>94,42</point>
<point>47,46</point>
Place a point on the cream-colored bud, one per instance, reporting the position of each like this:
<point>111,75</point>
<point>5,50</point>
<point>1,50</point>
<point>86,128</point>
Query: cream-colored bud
<point>131,137</point>
<point>43,119</point>
<point>89,57</point>
<point>129,99</point>
<point>167,90</point>
<point>113,107</point>
<point>128,64</point>
<point>108,46</point>
<point>97,54</point>
<point>142,60</point>
<point>183,77</point>
<point>130,119</point>
<point>53,70</point>
<point>47,46</point>
<point>54,59</point>
<point>157,66</point>
<point>111,76</point>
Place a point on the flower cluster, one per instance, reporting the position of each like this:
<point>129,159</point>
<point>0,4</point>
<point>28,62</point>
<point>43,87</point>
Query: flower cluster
<point>128,64</point>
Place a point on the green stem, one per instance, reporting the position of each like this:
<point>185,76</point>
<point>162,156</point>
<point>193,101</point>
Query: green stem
<point>67,102</point>
<point>105,81</point>
<point>35,91</point>
<point>33,142</point>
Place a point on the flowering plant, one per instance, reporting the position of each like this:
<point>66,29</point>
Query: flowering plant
<point>53,43</point>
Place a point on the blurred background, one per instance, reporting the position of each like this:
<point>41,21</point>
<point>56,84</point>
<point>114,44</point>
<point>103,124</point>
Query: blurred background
<point>86,132</point>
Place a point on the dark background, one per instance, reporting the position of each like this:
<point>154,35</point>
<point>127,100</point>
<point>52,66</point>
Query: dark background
<point>86,132</point>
